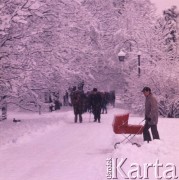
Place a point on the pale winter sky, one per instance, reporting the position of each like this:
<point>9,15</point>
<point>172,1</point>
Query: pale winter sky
<point>164,4</point>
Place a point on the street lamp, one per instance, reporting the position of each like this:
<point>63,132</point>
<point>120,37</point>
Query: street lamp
<point>139,55</point>
<point>121,55</point>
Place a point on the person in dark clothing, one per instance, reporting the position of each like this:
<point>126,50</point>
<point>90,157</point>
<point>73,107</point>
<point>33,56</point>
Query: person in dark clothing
<point>51,107</point>
<point>3,105</point>
<point>112,98</point>
<point>151,115</point>
<point>57,104</point>
<point>77,98</point>
<point>51,104</point>
<point>88,101</point>
<point>104,103</point>
<point>96,101</point>
<point>66,99</point>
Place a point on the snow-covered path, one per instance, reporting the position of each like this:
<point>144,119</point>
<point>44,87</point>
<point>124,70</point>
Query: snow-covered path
<point>76,149</point>
<point>51,146</point>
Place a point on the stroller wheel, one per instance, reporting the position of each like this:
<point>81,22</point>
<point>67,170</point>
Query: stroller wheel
<point>138,145</point>
<point>115,146</point>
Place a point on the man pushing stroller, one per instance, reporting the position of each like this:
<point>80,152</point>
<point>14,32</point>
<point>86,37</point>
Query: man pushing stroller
<point>151,115</point>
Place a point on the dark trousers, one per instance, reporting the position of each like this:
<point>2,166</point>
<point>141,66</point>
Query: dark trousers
<point>146,133</point>
<point>97,114</point>
<point>80,118</point>
<point>104,109</point>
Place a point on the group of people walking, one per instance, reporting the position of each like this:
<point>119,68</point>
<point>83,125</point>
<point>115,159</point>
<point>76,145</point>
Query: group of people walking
<point>94,102</point>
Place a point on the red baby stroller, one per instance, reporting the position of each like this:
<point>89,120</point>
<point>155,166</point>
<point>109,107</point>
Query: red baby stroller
<point>121,126</point>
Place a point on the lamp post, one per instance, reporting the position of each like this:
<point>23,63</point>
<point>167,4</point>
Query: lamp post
<point>121,55</point>
<point>139,55</point>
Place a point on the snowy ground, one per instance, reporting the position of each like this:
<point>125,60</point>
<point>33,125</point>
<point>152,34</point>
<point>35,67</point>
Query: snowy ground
<point>52,147</point>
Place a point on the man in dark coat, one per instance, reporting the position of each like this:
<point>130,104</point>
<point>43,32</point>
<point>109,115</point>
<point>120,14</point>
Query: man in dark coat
<point>77,98</point>
<point>96,101</point>
<point>151,115</point>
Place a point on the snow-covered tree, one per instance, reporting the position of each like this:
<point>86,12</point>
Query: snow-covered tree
<point>157,70</point>
<point>51,45</point>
